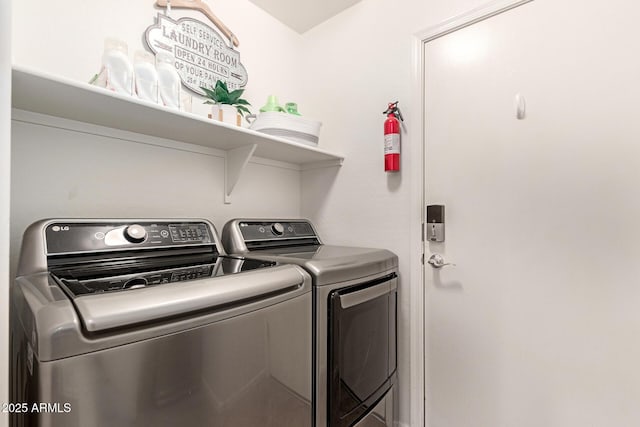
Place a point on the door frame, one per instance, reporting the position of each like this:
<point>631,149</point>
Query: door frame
<point>5,176</point>
<point>418,318</point>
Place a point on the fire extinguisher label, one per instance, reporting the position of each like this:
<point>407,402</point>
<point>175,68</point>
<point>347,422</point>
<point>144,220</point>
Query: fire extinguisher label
<point>392,143</point>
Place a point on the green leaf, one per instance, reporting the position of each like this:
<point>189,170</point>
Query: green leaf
<point>242,109</point>
<point>222,96</point>
<point>208,92</point>
<point>235,95</point>
<point>210,95</point>
<point>223,85</point>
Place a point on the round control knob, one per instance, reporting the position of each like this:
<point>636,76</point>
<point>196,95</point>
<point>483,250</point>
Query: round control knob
<point>277,229</point>
<point>135,233</point>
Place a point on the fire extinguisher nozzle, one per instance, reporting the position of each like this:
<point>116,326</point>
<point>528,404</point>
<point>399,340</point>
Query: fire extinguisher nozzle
<point>393,109</point>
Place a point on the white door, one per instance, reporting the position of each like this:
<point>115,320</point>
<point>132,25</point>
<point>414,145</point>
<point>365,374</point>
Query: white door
<point>538,323</point>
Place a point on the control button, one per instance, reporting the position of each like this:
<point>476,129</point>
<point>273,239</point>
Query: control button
<point>278,229</point>
<point>164,233</point>
<point>135,233</point>
<point>290,229</point>
<point>261,229</point>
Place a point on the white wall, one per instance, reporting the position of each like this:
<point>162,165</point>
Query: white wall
<point>77,172</point>
<point>358,62</point>
<point>5,168</point>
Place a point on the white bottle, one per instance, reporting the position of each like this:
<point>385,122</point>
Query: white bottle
<point>146,77</point>
<point>168,80</point>
<point>117,66</point>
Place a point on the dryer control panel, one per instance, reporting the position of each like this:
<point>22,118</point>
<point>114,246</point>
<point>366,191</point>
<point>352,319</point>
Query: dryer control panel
<point>270,230</point>
<point>242,235</point>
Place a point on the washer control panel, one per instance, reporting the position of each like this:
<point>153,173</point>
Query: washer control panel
<point>72,237</point>
<point>272,230</point>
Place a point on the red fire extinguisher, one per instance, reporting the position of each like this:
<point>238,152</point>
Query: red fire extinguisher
<point>392,138</point>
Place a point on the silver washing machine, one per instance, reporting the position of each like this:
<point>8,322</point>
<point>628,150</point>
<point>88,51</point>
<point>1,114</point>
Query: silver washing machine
<point>146,323</point>
<point>354,293</point>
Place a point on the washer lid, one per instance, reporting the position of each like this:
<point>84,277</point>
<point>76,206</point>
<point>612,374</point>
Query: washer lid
<point>58,326</point>
<point>104,311</point>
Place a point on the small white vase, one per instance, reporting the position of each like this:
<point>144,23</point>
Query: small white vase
<point>227,114</point>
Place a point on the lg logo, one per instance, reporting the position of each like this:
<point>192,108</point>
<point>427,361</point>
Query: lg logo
<point>60,228</point>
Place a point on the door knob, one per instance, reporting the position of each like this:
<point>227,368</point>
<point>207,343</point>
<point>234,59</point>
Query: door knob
<point>437,261</point>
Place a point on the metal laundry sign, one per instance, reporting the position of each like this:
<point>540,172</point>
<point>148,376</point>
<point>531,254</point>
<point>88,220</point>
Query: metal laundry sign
<point>202,56</point>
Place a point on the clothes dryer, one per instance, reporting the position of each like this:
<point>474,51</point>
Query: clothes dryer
<point>355,309</point>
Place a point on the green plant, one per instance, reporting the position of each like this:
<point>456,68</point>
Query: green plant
<point>221,95</point>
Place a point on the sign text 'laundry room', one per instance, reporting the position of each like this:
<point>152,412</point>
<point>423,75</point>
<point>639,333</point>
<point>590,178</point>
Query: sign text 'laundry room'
<point>201,55</point>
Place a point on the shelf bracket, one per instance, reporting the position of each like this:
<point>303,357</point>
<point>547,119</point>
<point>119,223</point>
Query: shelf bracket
<point>235,161</point>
